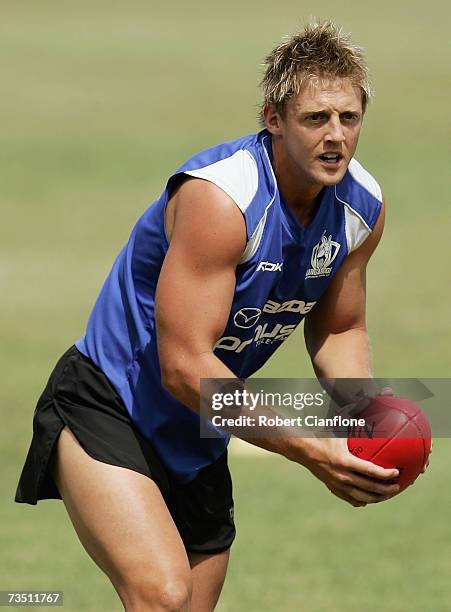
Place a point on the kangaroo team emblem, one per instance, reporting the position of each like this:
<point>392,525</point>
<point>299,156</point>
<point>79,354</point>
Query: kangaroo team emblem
<point>323,255</point>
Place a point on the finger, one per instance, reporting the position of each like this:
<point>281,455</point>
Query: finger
<point>363,496</point>
<point>386,391</point>
<point>369,469</point>
<point>372,486</point>
<point>347,498</point>
<point>426,465</point>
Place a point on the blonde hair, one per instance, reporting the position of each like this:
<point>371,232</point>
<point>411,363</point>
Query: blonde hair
<point>321,50</point>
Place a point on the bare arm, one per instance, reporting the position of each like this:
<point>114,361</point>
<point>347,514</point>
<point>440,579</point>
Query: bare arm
<point>195,293</point>
<point>196,286</point>
<point>194,296</point>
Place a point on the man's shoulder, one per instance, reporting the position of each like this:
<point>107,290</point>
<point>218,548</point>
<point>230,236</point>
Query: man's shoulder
<point>364,179</point>
<point>361,197</point>
<point>222,152</point>
<point>237,167</point>
<point>359,191</point>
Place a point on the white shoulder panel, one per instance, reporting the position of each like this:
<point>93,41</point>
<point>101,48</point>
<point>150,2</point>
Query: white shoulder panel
<point>365,179</point>
<point>237,175</point>
<point>356,230</point>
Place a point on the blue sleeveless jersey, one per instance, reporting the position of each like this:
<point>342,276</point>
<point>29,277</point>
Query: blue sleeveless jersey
<point>282,274</point>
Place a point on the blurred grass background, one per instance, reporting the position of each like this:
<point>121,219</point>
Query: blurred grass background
<point>100,102</point>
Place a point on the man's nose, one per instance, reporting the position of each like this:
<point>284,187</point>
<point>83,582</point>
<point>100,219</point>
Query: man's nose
<point>335,131</point>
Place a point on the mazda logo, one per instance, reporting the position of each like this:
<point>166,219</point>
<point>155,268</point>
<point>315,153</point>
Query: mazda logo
<point>247,317</point>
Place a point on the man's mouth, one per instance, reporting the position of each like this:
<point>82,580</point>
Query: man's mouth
<point>331,158</point>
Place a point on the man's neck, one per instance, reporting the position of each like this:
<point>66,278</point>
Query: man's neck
<point>301,197</point>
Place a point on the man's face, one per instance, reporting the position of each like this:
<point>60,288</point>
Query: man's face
<point>316,139</point>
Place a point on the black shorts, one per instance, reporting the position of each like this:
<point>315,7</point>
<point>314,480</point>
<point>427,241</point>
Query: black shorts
<point>79,395</point>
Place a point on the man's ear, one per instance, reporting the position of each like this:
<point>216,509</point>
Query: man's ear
<point>272,119</point>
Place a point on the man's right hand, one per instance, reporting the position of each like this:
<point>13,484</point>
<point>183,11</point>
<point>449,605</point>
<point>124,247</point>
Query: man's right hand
<point>354,480</point>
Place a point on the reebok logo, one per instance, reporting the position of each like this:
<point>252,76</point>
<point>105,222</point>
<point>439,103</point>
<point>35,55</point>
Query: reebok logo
<point>268,266</point>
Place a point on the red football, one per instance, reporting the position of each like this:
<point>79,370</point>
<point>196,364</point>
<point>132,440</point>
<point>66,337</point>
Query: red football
<point>396,434</point>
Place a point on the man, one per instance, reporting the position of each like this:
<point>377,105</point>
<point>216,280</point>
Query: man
<point>286,216</point>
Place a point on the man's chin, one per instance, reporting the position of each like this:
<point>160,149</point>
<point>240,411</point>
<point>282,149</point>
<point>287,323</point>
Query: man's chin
<point>331,177</point>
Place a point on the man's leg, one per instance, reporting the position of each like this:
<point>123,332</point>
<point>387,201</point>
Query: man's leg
<point>208,574</point>
<point>123,523</point>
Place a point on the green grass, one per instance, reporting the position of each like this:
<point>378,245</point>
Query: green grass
<point>100,101</point>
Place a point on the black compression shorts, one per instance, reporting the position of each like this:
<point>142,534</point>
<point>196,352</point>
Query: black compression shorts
<point>78,395</point>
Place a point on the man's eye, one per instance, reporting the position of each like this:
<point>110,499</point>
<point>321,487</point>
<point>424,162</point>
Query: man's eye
<point>350,117</point>
<point>316,117</point>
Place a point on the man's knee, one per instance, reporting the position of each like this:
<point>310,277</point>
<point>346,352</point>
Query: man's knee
<point>175,595</point>
<point>171,593</point>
